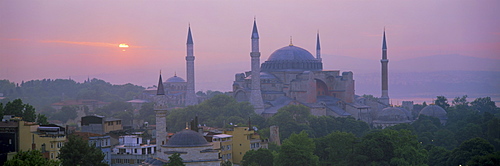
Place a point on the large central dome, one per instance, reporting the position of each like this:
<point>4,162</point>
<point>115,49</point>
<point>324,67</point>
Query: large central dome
<point>291,58</point>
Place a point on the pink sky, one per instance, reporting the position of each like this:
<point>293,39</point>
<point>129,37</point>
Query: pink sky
<point>77,39</point>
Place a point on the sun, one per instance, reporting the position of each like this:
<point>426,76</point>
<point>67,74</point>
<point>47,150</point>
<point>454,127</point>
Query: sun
<point>123,45</point>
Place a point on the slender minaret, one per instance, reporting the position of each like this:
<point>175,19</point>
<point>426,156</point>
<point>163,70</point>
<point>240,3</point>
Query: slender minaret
<point>318,48</point>
<point>190,94</point>
<point>160,108</point>
<point>385,86</point>
<point>255,94</point>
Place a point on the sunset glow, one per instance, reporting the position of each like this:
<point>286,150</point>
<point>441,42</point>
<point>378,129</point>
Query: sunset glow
<point>123,45</point>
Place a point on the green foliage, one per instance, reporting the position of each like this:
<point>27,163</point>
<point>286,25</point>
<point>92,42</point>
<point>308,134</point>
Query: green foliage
<point>485,105</point>
<point>147,113</point>
<point>44,92</point>
<point>291,119</point>
<point>19,109</point>
<point>390,147</point>
<point>492,159</point>
<point>41,119</point>
<point>468,150</point>
<point>226,163</point>
<point>336,148</point>
<point>29,158</point>
<point>261,157</point>
<point>437,156</point>
<point>298,149</point>
<point>214,112</point>
<point>66,113</point>
<point>175,160</point>
<point>442,102</point>
<point>78,152</point>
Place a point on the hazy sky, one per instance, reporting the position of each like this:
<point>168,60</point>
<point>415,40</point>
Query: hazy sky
<point>79,39</point>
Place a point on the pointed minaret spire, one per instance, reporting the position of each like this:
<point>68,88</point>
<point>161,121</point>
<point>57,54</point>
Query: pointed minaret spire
<point>189,38</point>
<point>255,93</point>
<point>160,90</point>
<point>190,94</point>
<point>318,48</point>
<point>385,77</point>
<point>384,45</point>
<point>255,32</point>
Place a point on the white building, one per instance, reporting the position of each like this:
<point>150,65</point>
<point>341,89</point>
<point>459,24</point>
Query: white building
<point>131,151</point>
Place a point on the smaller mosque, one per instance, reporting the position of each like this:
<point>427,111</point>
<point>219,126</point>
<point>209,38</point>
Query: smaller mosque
<point>192,147</point>
<point>178,92</point>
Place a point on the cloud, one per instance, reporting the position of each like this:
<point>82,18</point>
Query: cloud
<point>96,44</point>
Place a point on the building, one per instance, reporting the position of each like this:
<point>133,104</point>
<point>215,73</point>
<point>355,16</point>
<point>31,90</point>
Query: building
<point>100,124</point>
<point>435,111</point>
<point>292,75</point>
<point>224,143</point>
<point>132,151</point>
<point>102,142</point>
<point>193,148</point>
<point>243,140</point>
<point>178,92</point>
<point>23,136</point>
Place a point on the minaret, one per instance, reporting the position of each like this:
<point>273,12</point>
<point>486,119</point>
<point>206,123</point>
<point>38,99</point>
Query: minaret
<point>160,108</point>
<point>190,94</point>
<point>255,93</point>
<point>318,48</point>
<point>385,86</point>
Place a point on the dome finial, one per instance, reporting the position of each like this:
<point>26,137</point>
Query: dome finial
<point>291,43</point>
<point>175,73</point>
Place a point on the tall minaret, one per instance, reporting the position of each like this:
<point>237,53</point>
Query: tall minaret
<point>160,107</point>
<point>385,86</point>
<point>190,94</point>
<point>255,94</point>
<point>318,48</point>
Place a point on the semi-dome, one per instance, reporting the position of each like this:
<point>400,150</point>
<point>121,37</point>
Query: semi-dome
<point>187,138</point>
<point>391,114</point>
<point>174,79</point>
<point>434,111</point>
<point>291,58</point>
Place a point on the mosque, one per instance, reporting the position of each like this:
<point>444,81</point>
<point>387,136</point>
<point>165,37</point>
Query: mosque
<point>290,76</point>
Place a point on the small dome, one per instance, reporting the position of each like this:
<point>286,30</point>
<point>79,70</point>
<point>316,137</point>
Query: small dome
<point>291,58</point>
<point>187,138</point>
<point>174,79</point>
<point>434,111</point>
<point>392,114</point>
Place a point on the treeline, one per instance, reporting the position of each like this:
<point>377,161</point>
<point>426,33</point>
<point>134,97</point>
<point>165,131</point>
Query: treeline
<point>42,93</point>
<point>471,136</point>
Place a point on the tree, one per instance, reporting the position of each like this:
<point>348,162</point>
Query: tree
<point>468,149</point>
<point>484,104</point>
<point>41,119</point>
<point>78,152</point>
<point>492,159</point>
<point>336,148</point>
<point>261,157</point>
<point>175,160</point>
<point>28,158</point>
<point>67,112</point>
<point>438,156</point>
<point>442,102</point>
<point>19,109</point>
<point>390,147</point>
<point>298,149</point>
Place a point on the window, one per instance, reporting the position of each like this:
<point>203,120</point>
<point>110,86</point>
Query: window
<point>135,150</point>
<point>52,155</point>
<point>51,145</point>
